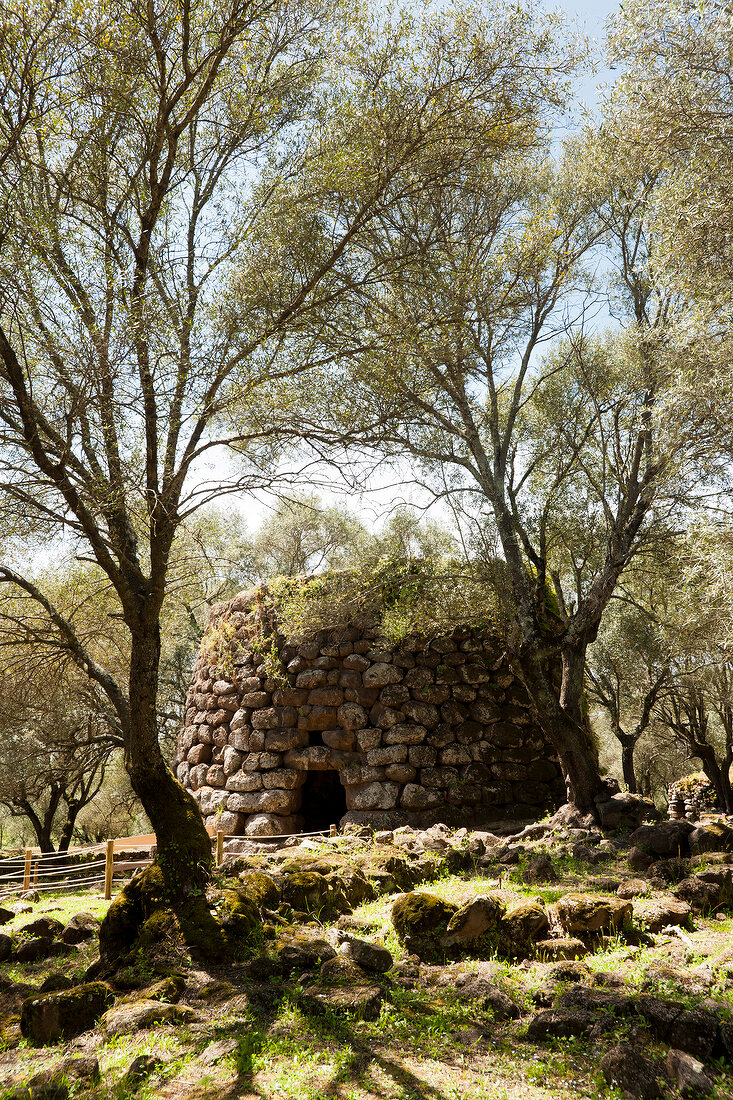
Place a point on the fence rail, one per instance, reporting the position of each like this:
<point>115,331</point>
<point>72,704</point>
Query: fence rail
<point>97,864</point>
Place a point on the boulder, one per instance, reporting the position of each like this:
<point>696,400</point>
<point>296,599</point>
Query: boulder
<point>261,888</point>
<point>702,894</point>
<point>302,952</point>
<point>64,1014</point>
<point>626,811</point>
<point>540,869</point>
<point>126,1018</point>
<point>583,914</point>
<point>43,927</point>
<point>419,914</point>
<point>362,1001</point>
<point>520,929</point>
<point>561,1024</point>
<point>631,1071</point>
<point>369,956</point>
<point>81,927</point>
<point>306,891</point>
<point>665,839</point>
<point>713,836</point>
<point>476,989</point>
<point>655,914</point>
<point>6,947</point>
<point>688,1075</point>
<point>633,888</point>
<point>6,915</point>
<point>479,917</point>
<point>140,1068</point>
<point>237,913</point>
<point>41,948</point>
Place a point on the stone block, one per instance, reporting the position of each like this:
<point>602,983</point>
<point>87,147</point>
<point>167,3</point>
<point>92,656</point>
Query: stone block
<point>373,796</point>
<point>465,794</point>
<point>285,739</point>
<point>316,758</point>
<point>228,702</point>
<point>506,736</point>
<point>211,800</point>
<point>199,754</point>
<point>286,778</point>
<point>240,740</point>
<point>356,662</point>
<point>274,801</point>
<point>474,673</point>
<point>223,687</point>
<point>543,771</point>
<point>245,781</point>
<point>348,678</point>
<point>205,735</point>
<point>400,773</point>
<point>352,716</point>
<point>422,756</point>
<point>425,714</point>
<point>221,737</point>
<point>419,677</point>
<point>319,718</point>
<point>230,824</point>
<point>390,754</point>
<point>272,825</point>
<point>256,740</point>
<point>454,713</point>
<point>414,797</point>
<point>454,755</point>
<point>215,776</point>
<point>463,693</point>
<point>394,695</point>
<point>385,717</point>
<point>343,740</point>
<point>485,711</point>
<point>219,718</point>
<point>182,772</point>
<point>311,678</point>
<point>404,734</point>
<point>197,776</point>
<point>289,697</point>
<point>274,718</point>
<point>470,732</point>
<point>326,697</point>
<point>381,674</point>
<point>355,775</point>
<point>241,719</point>
<point>232,760</point>
<point>438,777</point>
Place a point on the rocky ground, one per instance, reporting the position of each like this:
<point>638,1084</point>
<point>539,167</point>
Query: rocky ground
<point>424,965</point>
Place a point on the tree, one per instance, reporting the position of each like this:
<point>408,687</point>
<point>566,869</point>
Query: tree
<point>158,147</point>
<point>57,739</point>
<point>564,452</point>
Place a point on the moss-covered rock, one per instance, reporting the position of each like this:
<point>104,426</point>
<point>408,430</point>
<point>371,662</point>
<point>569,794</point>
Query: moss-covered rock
<point>301,952</point>
<point>306,891</point>
<point>135,1016</point>
<point>480,917</point>
<point>580,914</point>
<point>64,1014</point>
<point>145,893</point>
<point>261,888</point>
<point>420,921</point>
<point>237,913</point>
<point>521,928</point>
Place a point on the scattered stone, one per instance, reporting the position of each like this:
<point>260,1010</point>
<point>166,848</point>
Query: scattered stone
<point>477,917</point>
<point>583,913</point>
<point>126,1018</point>
<point>626,811</point>
<point>303,953</point>
<point>81,927</point>
<point>6,915</point>
<point>43,927</point>
<point>713,836</point>
<point>141,1067</point>
<point>665,839</point>
<point>631,1071</point>
<point>597,1000</point>
<point>369,956</point>
<point>62,1015</point>
<point>419,920</point>
<point>639,860</point>
<point>479,990</point>
<point>6,947</point>
<point>41,948</point>
<point>540,869</point>
<point>688,1075</point>
<point>561,1024</point>
<point>658,913</point>
<point>362,1001</point>
<point>633,888</point>
<point>55,981</point>
<point>214,1052</point>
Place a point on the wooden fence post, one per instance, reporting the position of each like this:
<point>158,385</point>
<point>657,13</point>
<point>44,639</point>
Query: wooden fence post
<point>109,866</point>
<point>27,870</point>
<point>219,848</point>
<point>333,831</point>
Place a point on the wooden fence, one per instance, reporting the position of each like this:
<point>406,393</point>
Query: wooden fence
<point>97,864</point>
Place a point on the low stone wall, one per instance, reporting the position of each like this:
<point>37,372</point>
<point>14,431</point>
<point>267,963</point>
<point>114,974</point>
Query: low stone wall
<point>284,734</point>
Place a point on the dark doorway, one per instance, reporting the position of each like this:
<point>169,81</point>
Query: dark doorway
<point>324,800</point>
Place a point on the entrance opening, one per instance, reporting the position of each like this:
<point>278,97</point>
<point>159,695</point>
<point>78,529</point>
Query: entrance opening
<point>324,800</point>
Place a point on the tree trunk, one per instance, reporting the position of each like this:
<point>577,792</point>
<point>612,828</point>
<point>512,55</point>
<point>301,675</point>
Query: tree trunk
<point>628,745</point>
<point>564,725</point>
<point>183,845</point>
<point>72,812</point>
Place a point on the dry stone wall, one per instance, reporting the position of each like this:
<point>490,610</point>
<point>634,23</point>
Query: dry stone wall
<point>283,734</point>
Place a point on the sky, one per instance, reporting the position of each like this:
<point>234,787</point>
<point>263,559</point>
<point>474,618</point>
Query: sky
<point>590,17</point>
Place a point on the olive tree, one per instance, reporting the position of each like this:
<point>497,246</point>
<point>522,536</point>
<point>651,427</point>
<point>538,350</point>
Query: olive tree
<point>157,257</point>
